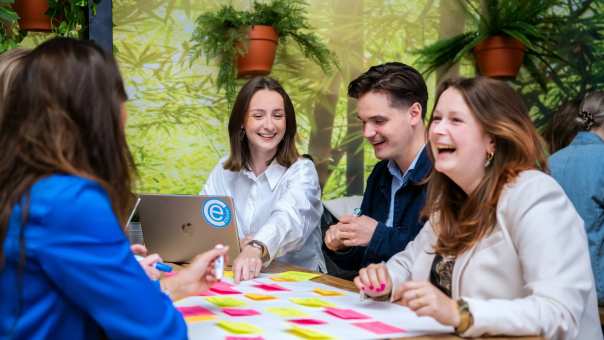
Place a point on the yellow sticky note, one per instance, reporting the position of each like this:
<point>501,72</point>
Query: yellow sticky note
<point>199,318</point>
<point>238,327</point>
<point>259,297</point>
<point>294,276</point>
<point>225,301</point>
<point>326,292</point>
<point>308,333</point>
<point>286,312</point>
<point>311,302</point>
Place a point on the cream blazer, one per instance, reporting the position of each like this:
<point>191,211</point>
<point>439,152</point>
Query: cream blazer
<point>530,276</point>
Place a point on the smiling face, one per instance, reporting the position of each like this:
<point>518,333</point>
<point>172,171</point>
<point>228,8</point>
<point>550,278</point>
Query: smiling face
<point>265,122</point>
<point>458,141</point>
<point>388,129</point>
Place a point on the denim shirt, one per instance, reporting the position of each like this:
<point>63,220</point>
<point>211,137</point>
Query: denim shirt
<point>579,169</point>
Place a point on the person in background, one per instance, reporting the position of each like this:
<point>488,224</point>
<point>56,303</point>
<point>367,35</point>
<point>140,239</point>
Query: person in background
<point>66,267</point>
<point>391,102</point>
<point>562,126</point>
<point>504,251</point>
<point>276,191</point>
<point>579,169</point>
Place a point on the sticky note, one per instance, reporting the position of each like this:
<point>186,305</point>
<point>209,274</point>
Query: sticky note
<point>238,327</point>
<point>294,276</point>
<point>259,297</point>
<point>244,338</point>
<point>308,322</point>
<point>326,292</point>
<point>194,311</point>
<point>287,312</point>
<point>346,314</point>
<point>225,301</point>
<point>270,287</point>
<point>308,333</point>
<point>224,288</point>
<point>199,318</point>
<point>311,302</point>
<point>239,312</point>
<point>228,273</point>
<point>377,327</point>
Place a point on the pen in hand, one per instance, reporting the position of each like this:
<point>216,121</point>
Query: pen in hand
<point>158,265</point>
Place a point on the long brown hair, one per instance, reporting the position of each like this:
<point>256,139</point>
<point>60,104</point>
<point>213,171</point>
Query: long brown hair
<point>63,115</point>
<point>461,220</point>
<point>240,156</point>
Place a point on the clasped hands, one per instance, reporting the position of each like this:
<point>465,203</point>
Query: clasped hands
<point>350,231</point>
<point>420,296</point>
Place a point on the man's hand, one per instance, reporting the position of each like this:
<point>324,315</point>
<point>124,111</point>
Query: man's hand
<point>332,242</point>
<point>356,230</point>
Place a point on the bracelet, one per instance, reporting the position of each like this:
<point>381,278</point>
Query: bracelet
<point>466,319</point>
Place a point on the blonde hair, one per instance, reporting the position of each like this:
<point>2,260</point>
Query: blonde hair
<point>10,63</point>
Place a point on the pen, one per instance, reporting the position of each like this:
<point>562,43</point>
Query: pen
<point>158,265</point>
<point>219,264</point>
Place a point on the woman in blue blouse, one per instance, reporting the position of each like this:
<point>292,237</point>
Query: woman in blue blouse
<point>579,169</point>
<point>66,268</point>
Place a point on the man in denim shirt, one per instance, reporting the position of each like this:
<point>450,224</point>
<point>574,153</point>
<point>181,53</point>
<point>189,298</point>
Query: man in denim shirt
<point>579,169</point>
<point>391,101</point>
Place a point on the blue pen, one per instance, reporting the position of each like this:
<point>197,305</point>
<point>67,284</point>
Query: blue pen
<point>158,265</point>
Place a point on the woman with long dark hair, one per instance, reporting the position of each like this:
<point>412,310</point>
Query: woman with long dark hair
<point>67,270</point>
<point>504,251</point>
<point>276,192</point>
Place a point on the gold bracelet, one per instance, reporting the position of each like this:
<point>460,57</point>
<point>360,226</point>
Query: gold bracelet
<point>466,319</point>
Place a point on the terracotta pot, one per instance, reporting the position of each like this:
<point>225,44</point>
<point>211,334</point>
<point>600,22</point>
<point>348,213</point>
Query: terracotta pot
<point>261,52</point>
<point>499,56</point>
<point>32,15</point>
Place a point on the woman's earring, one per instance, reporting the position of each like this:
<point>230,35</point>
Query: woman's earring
<point>490,156</point>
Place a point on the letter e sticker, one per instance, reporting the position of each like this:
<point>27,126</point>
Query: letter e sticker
<point>216,213</point>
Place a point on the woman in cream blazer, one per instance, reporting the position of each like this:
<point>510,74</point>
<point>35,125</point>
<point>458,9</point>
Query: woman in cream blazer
<point>517,266</point>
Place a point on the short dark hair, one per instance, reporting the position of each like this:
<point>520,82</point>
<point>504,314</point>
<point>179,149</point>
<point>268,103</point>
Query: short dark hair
<point>403,84</point>
<point>240,157</point>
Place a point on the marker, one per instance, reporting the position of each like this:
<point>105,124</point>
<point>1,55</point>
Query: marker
<point>356,212</point>
<point>158,265</point>
<point>219,264</point>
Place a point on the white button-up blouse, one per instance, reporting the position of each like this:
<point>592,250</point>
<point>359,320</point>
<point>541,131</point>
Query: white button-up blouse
<point>280,208</point>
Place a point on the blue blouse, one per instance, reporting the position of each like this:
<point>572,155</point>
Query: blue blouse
<point>80,280</point>
<point>579,168</point>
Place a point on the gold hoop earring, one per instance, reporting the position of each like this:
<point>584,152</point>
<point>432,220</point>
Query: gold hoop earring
<point>489,159</point>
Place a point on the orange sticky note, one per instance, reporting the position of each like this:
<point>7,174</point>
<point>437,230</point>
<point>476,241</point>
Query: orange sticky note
<point>199,318</point>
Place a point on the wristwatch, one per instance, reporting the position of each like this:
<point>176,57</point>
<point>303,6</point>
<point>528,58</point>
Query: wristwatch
<point>264,256</point>
<point>466,320</point>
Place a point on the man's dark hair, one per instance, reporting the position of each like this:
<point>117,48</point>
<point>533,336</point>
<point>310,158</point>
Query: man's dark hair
<point>402,83</point>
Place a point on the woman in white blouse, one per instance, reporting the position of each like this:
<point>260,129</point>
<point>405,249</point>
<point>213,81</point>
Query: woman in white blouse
<point>504,251</point>
<point>276,192</point>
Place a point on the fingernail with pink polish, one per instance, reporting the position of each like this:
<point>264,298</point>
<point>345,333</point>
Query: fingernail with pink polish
<point>371,287</point>
<point>383,286</point>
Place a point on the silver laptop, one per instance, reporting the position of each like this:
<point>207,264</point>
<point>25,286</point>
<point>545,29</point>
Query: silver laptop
<point>178,227</point>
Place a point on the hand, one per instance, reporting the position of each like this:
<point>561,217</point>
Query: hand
<point>356,230</point>
<point>426,300</point>
<point>248,264</point>
<point>244,241</point>
<point>148,262</point>
<point>374,280</point>
<point>198,277</point>
<point>332,242</point>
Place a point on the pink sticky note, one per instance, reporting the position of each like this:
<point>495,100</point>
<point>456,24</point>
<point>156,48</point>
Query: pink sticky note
<point>239,312</point>
<point>270,287</point>
<point>244,338</point>
<point>346,314</point>
<point>194,311</point>
<point>307,322</point>
<point>377,327</point>
<point>224,288</point>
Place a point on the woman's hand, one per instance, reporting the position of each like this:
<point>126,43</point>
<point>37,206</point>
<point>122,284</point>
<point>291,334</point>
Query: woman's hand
<point>198,277</point>
<point>248,264</point>
<point>426,300</point>
<point>148,262</point>
<point>374,280</point>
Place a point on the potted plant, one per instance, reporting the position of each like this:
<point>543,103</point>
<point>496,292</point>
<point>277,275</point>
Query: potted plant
<point>505,30</point>
<point>66,18</point>
<point>238,38</point>
<point>10,35</point>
